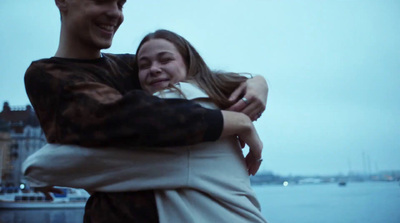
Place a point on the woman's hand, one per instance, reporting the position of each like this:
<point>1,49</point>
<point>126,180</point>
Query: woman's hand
<point>240,125</point>
<point>254,101</point>
<point>47,190</point>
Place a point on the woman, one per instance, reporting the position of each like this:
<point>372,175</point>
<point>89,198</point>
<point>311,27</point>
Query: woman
<point>208,182</point>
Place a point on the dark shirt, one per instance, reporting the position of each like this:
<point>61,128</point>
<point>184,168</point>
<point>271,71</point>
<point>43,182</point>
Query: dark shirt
<point>99,103</point>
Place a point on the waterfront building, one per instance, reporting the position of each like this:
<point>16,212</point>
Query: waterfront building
<point>5,145</point>
<point>24,138</point>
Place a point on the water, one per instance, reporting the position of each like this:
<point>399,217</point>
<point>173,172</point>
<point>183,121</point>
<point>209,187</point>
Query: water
<point>328,203</point>
<point>322,203</point>
<point>42,216</point>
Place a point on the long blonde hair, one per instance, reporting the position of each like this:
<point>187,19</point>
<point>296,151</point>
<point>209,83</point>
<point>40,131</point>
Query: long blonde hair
<point>217,84</point>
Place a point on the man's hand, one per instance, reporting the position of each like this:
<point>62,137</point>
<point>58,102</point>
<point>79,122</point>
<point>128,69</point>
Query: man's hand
<point>47,190</point>
<point>254,101</point>
<point>252,163</point>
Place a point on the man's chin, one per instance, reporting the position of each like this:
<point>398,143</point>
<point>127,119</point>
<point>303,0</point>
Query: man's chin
<point>104,44</point>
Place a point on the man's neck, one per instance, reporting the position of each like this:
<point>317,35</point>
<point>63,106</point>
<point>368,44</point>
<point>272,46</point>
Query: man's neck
<point>69,48</point>
<point>65,53</point>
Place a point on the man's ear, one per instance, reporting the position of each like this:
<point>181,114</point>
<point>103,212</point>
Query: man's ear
<point>62,5</point>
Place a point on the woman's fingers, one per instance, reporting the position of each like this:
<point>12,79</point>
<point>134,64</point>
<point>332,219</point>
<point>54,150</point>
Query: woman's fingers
<point>250,105</point>
<point>47,190</point>
<point>238,91</point>
<point>253,164</point>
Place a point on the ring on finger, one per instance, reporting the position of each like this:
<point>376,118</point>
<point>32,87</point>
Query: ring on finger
<point>245,100</point>
<point>260,160</point>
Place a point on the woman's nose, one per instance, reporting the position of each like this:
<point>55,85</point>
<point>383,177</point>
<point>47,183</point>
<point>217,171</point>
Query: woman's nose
<point>155,69</point>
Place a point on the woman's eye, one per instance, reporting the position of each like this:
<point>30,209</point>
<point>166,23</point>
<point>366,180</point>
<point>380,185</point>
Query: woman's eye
<point>144,66</point>
<point>166,60</point>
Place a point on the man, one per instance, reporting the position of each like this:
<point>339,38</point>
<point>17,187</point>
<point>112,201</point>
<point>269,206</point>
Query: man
<point>86,98</point>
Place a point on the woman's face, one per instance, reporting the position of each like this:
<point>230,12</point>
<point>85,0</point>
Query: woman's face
<point>160,64</point>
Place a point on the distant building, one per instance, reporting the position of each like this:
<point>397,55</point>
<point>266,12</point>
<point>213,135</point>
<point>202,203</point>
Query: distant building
<point>25,137</point>
<point>5,145</point>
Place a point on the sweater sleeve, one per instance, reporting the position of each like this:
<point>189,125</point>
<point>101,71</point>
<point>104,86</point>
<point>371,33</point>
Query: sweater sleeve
<point>90,113</point>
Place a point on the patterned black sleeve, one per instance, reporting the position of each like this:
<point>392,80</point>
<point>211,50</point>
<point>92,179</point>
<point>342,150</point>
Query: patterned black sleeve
<point>82,110</point>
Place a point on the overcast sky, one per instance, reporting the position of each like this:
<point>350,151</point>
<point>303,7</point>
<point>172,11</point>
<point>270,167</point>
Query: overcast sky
<point>333,68</point>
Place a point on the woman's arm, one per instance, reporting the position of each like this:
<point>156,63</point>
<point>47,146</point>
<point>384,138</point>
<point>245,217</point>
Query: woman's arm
<point>254,101</point>
<point>107,169</point>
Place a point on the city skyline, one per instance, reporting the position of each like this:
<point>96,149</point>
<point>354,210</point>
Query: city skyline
<point>332,68</point>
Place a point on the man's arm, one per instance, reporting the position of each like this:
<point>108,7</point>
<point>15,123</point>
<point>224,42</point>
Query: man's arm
<point>239,124</point>
<point>94,114</point>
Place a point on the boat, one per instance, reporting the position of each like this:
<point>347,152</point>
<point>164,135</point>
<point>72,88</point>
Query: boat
<point>342,183</point>
<point>14,198</point>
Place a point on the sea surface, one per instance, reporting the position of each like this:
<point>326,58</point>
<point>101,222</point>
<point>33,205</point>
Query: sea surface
<point>368,202</point>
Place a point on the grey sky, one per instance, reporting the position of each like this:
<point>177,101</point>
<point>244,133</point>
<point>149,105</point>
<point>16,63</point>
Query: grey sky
<point>333,68</point>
